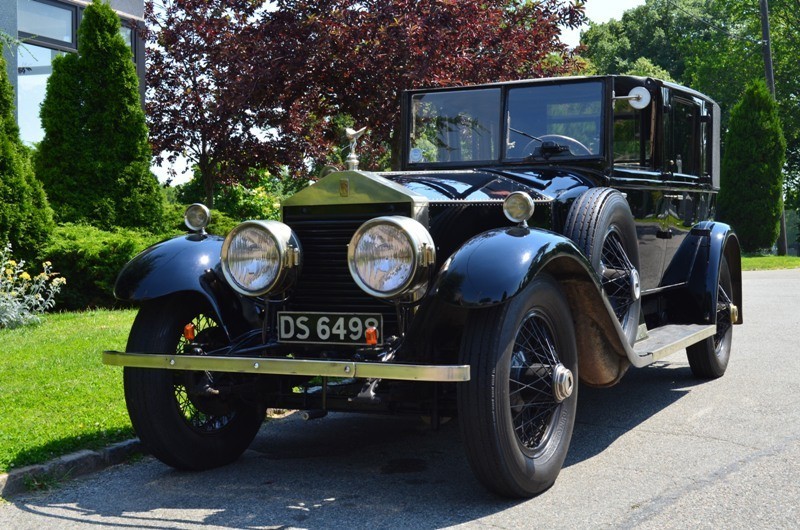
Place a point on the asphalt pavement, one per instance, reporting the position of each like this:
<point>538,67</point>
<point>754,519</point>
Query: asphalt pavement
<point>659,450</point>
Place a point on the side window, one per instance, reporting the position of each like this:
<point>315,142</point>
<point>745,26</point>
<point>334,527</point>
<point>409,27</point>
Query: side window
<point>633,144</point>
<point>683,134</point>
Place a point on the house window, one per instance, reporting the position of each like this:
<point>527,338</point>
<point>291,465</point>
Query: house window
<point>34,66</point>
<point>47,21</point>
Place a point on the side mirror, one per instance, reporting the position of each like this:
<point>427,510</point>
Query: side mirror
<point>638,98</point>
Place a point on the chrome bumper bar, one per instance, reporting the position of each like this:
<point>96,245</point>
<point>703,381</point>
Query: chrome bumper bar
<point>254,365</point>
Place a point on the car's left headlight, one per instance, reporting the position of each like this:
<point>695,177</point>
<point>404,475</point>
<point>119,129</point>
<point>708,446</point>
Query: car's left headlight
<point>259,257</point>
<point>390,257</point>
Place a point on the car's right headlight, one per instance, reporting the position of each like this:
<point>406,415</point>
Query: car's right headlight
<point>390,257</point>
<point>259,257</point>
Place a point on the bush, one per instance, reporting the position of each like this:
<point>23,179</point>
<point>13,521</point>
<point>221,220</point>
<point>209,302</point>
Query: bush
<point>94,160</point>
<point>259,199</point>
<point>220,223</point>
<point>22,297</point>
<point>25,217</point>
<point>92,258</point>
<point>751,194</point>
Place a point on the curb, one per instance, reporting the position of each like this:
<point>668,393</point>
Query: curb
<point>68,466</point>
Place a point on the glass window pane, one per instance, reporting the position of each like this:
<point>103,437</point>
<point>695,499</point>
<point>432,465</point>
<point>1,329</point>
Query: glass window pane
<point>127,34</point>
<point>45,20</point>
<point>35,64</point>
<point>567,116</point>
<point>457,126</point>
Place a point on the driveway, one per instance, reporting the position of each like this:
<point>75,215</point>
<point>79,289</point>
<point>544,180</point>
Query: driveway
<point>659,450</point>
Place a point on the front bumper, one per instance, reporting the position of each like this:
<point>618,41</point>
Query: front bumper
<point>271,366</point>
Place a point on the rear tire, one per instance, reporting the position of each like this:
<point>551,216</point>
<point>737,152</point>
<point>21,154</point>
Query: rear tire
<point>518,409</point>
<point>181,424</point>
<point>709,359</point>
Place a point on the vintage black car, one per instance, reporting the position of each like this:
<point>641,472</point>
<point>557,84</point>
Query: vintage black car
<point>538,233</point>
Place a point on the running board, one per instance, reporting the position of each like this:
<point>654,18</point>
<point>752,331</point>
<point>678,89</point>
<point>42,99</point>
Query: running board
<point>667,340</point>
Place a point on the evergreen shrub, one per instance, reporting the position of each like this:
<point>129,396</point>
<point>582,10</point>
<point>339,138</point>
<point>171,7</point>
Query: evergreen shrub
<point>91,259</point>
<point>26,219</point>
<point>751,194</point>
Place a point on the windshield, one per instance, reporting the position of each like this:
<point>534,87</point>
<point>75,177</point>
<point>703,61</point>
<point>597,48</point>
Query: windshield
<point>542,121</point>
<point>455,126</point>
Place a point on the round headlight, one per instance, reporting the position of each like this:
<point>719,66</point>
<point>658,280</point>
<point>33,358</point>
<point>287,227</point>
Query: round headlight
<point>518,207</point>
<point>258,257</point>
<point>390,256</point>
<point>197,217</point>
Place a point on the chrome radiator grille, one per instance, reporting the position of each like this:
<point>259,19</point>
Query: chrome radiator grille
<point>325,284</point>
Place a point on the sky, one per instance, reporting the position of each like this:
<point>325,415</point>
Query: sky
<point>600,11</point>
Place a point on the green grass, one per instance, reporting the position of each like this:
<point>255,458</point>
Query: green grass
<point>56,396</point>
<point>766,263</point>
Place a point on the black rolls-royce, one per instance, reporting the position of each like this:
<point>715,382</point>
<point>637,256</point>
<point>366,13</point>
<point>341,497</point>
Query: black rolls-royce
<point>537,233</point>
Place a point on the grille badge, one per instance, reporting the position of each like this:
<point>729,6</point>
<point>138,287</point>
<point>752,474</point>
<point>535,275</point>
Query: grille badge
<point>344,187</point>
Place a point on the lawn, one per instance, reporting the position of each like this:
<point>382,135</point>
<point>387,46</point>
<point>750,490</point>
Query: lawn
<point>56,396</point>
<point>764,263</point>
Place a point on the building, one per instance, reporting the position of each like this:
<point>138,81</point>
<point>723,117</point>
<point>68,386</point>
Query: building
<point>48,28</point>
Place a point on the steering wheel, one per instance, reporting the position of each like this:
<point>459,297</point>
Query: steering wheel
<point>575,147</point>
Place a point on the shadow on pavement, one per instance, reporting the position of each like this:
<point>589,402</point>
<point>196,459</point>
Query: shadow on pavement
<point>342,470</point>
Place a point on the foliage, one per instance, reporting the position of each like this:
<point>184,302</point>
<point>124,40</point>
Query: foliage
<point>239,84</point>
<point>25,216</point>
<point>751,192</point>
<point>57,397</point>
<point>95,158</point>
<point>645,68</point>
<point>657,31</point>
<point>22,297</point>
<point>714,47</point>
<point>259,200</point>
<point>92,258</point>
<point>197,93</point>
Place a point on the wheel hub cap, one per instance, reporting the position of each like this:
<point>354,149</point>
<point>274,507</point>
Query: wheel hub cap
<point>563,383</point>
<point>636,286</point>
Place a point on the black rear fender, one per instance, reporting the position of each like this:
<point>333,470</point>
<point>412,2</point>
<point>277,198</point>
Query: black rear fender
<point>696,265</point>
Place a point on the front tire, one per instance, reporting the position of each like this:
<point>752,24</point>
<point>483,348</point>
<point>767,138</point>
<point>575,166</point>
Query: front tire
<point>709,358</point>
<point>518,409</point>
<point>177,415</point>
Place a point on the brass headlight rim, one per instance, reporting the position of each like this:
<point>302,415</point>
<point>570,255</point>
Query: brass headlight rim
<point>272,229</point>
<point>422,247</point>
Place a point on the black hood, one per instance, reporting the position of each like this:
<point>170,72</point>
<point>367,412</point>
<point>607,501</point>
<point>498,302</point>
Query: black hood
<point>488,184</point>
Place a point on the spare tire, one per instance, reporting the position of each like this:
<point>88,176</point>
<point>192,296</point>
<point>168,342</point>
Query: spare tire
<point>601,225</point>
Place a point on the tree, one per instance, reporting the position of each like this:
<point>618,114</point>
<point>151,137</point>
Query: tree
<point>26,219</point>
<point>658,31</point>
<point>714,47</point>
<point>751,195</point>
<point>236,84</point>
<point>355,57</point>
<point>95,158</point>
<point>198,96</point>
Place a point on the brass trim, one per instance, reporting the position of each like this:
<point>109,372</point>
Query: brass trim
<point>256,365</point>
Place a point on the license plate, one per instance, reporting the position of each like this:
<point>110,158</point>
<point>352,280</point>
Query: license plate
<point>327,328</point>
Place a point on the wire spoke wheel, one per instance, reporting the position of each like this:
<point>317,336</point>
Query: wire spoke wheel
<point>533,363</point>
<point>200,407</point>
<point>517,410</point>
<point>617,276</point>
<point>188,419</point>
<point>709,358</point>
<point>601,225</point>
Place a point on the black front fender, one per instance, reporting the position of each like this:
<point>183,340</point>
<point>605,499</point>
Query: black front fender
<point>495,266</point>
<point>186,265</point>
